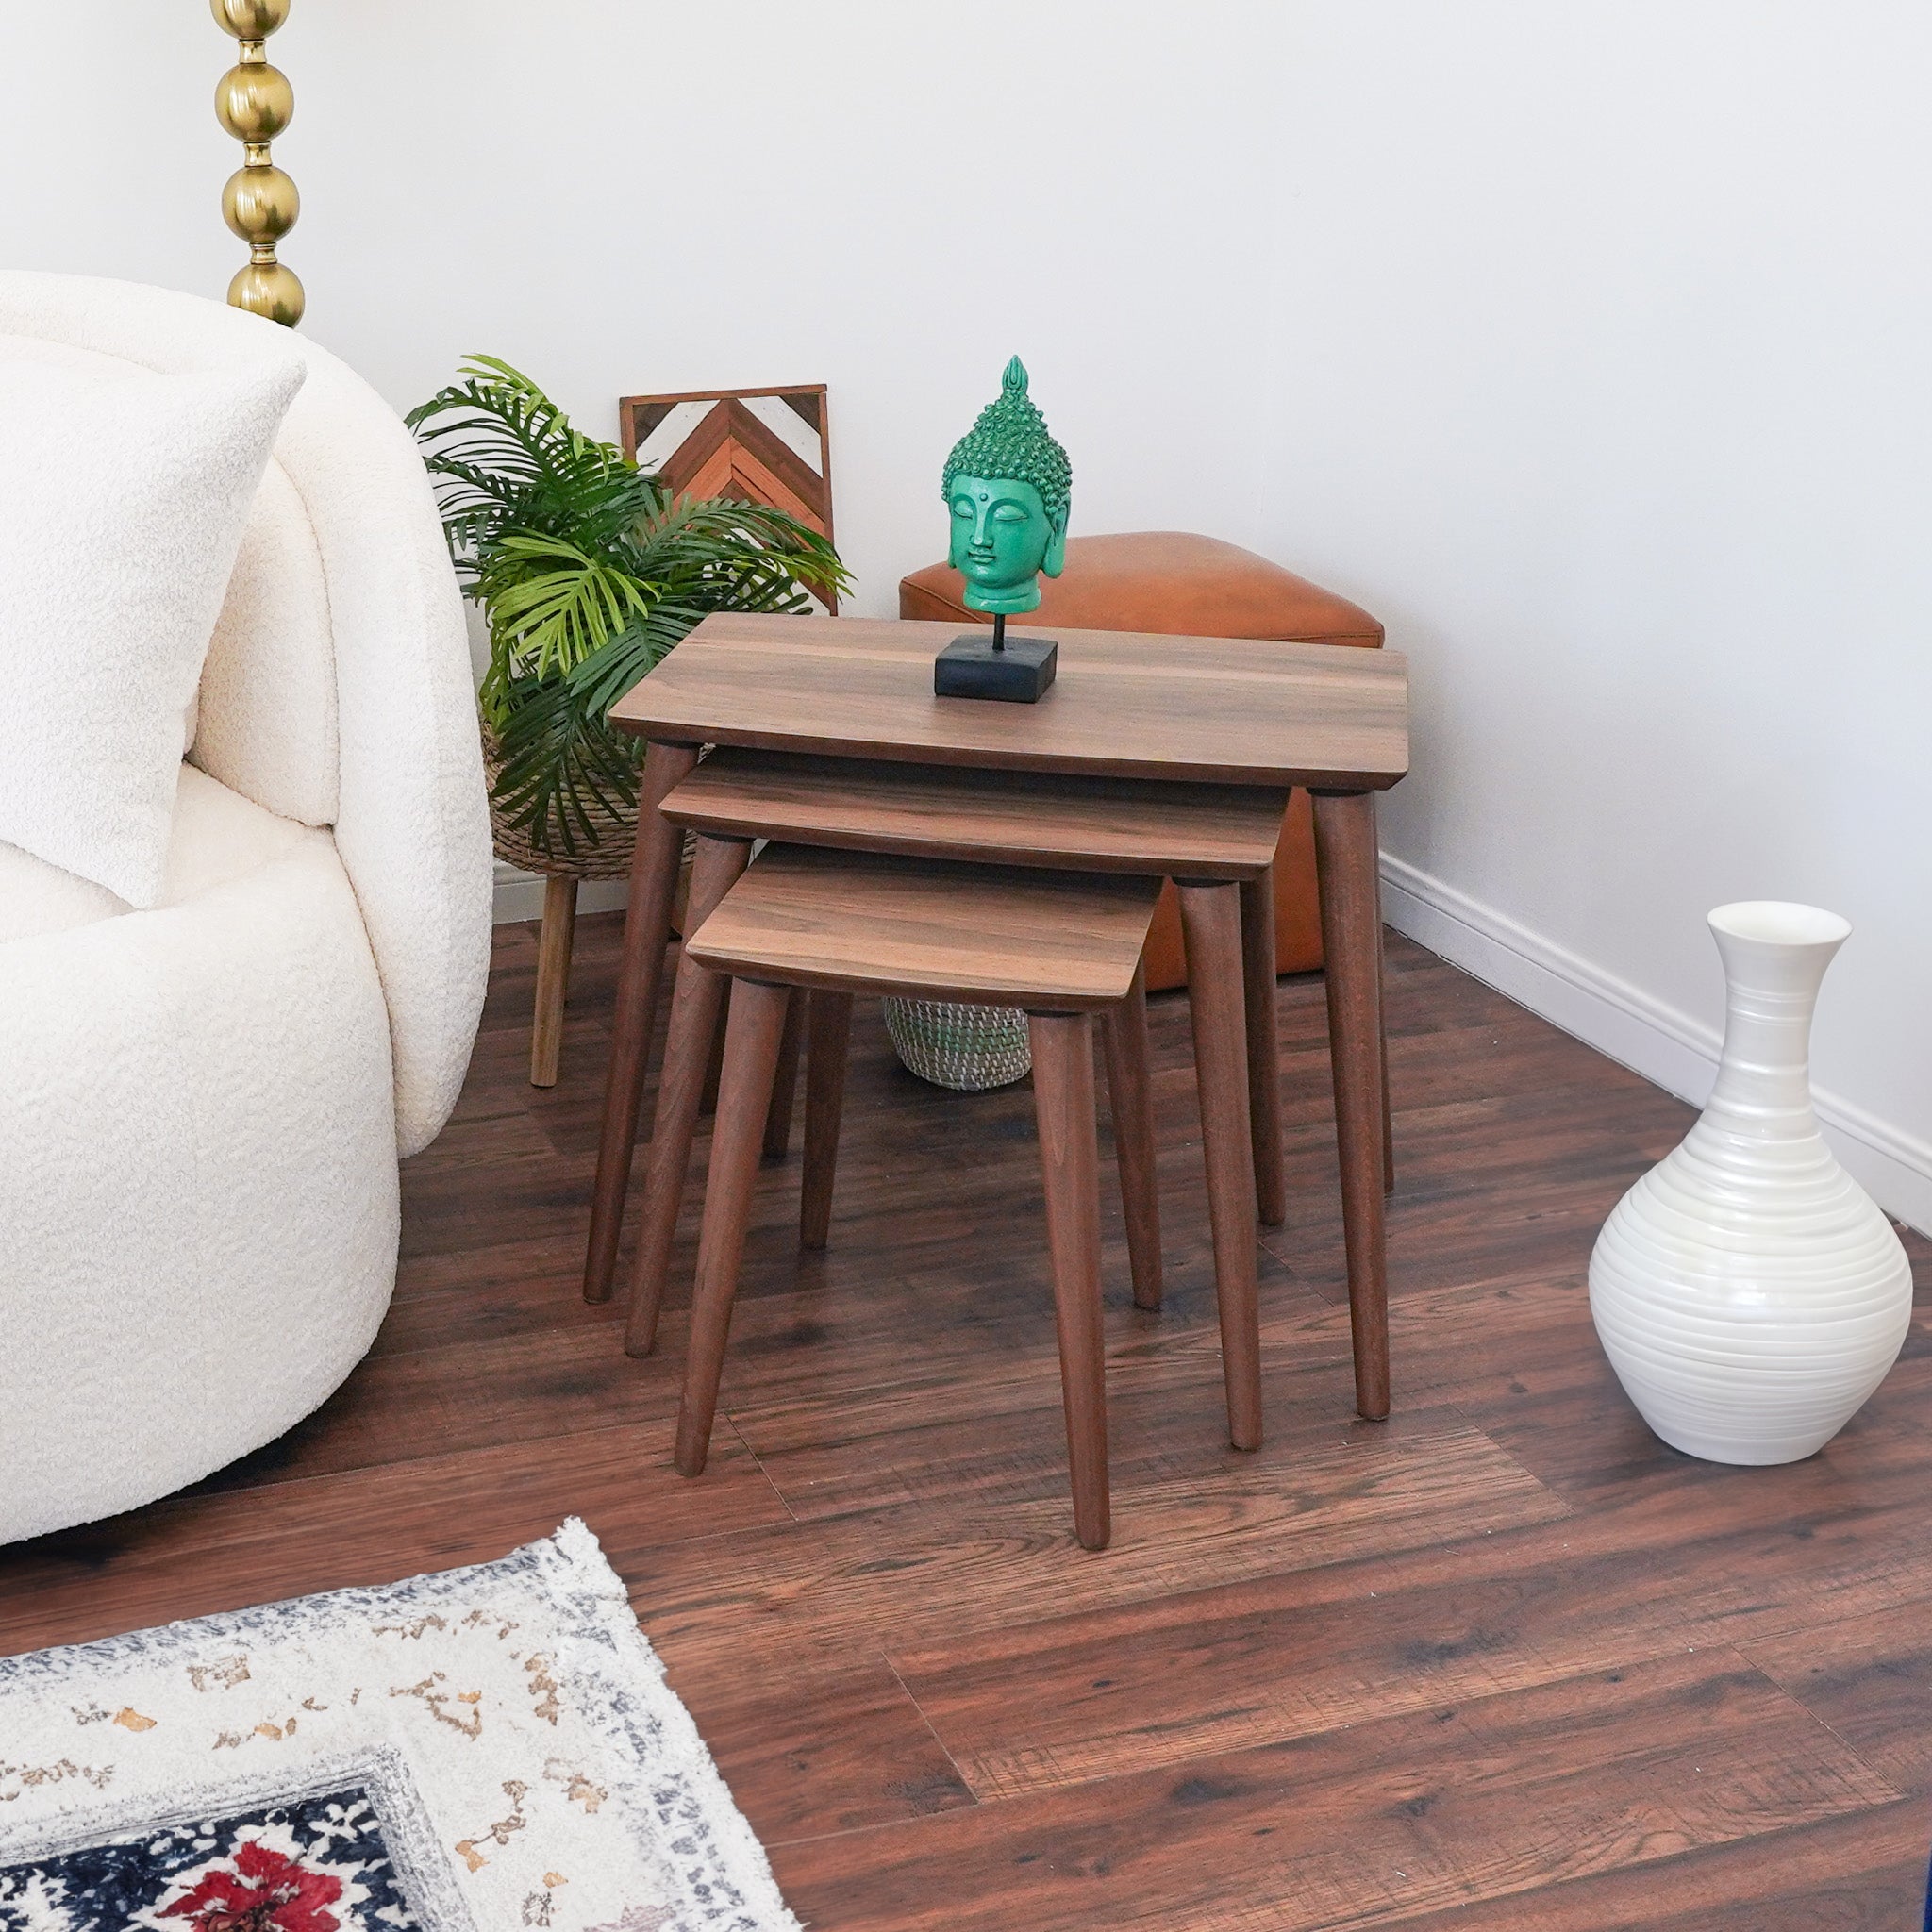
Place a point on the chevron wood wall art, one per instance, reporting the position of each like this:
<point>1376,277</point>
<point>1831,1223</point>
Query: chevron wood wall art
<point>760,445</point>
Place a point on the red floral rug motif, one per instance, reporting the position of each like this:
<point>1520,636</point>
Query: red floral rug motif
<point>265,1891</point>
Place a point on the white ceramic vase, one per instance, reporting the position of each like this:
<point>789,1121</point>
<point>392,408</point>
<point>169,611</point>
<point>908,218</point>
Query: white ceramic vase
<point>1747,1290</point>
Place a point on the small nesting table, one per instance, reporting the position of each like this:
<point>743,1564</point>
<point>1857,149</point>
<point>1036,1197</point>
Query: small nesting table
<point>1232,711</point>
<point>1064,945</point>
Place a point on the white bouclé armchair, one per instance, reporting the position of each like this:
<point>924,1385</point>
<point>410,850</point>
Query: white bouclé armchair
<point>202,1104</point>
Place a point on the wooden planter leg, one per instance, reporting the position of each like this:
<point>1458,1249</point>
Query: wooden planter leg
<point>553,978</point>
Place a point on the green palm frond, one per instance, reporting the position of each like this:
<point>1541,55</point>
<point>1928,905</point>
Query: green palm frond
<point>600,680</point>
<point>588,571</point>
<point>506,458</point>
<point>515,439</point>
<point>559,758</point>
<point>555,604</point>
<point>743,545</point>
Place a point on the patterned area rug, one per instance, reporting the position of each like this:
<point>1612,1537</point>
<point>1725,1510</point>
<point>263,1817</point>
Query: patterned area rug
<point>490,1747</point>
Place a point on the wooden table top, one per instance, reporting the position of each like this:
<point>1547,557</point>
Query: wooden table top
<point>990,817</point>
<point>871,923</point>
<point>1236,710</point>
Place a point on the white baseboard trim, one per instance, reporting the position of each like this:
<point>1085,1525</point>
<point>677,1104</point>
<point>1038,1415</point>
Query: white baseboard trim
<point>1669,1047</point>
<point>520,894</point>
<point>1666,1046</point>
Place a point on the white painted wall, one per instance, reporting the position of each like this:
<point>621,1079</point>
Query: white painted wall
<point>1603,333</point>
<point>622,196</point>
<point>1584,344</point>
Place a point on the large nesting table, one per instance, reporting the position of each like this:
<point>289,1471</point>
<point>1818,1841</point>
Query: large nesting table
<point>1184,710</point>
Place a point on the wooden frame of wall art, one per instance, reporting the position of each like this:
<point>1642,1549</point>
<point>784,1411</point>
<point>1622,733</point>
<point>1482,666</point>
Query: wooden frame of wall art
<point>761,445</point>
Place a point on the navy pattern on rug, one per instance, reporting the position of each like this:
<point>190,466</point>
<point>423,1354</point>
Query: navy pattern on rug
<point>316,1864</point>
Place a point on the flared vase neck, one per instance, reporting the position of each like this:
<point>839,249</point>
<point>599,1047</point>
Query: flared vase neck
<point>1775,959</point>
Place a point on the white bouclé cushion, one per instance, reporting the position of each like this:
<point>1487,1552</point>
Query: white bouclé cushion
<point>217,835</point>
<point>122,506</point>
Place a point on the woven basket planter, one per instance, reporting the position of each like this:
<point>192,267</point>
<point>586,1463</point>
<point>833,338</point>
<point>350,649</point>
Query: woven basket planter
<point>608,858</point>
<point>967,1048</point>
<point>964,1047</point>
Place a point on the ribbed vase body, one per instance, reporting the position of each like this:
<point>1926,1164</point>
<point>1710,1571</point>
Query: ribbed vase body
<point>1747,1290</point>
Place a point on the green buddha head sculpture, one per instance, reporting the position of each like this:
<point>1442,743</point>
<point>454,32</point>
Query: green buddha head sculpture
<point>1008,484</point>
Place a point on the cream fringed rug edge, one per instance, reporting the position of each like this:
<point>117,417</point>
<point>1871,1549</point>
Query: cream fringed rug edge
<point>484,1748</point>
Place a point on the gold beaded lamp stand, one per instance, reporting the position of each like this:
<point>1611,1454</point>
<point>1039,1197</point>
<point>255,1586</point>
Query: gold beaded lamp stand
<point>254,102</point>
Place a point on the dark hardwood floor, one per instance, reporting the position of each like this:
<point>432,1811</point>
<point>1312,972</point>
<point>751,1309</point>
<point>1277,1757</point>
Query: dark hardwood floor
<point>1504,1662</point>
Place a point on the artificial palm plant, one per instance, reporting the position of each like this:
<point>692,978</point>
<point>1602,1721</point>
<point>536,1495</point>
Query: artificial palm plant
<point>588,570</point>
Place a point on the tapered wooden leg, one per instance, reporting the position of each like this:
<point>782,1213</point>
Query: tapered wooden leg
<point>1388,1107</point>
<point>784,1082</point>
<point>1211,920</point>
<point>1070,1163</point>
<point>713,1067</point>
<point>694,1009</point>
<point>1130,1098</point>
<point>745,1098</point>
<point>553,978</point>
<point>1352,943</point>
<point>824,1102</point>
<point>646,931</point>
<point>1264,1050</point>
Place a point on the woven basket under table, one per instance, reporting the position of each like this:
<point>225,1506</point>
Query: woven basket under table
<point>965,1047</point>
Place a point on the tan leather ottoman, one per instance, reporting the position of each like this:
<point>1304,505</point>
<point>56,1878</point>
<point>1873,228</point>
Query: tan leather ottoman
<point>1171,581</point>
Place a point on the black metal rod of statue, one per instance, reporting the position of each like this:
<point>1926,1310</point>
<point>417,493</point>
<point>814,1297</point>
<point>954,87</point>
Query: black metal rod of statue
<point>1007,485</point>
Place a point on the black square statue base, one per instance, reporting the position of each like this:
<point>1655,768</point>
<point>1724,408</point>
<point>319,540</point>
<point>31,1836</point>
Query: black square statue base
<point>969,667</point>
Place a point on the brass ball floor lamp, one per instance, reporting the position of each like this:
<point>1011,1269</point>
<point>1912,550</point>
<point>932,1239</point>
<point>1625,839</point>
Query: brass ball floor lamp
<point>254,102</point>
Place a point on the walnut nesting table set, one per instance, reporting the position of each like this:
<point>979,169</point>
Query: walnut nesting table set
<point>955,849</point>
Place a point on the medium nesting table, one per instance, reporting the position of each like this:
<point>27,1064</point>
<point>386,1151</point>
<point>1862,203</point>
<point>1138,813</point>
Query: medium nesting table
<point>1032,832</point>
<point>1187,712</point>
